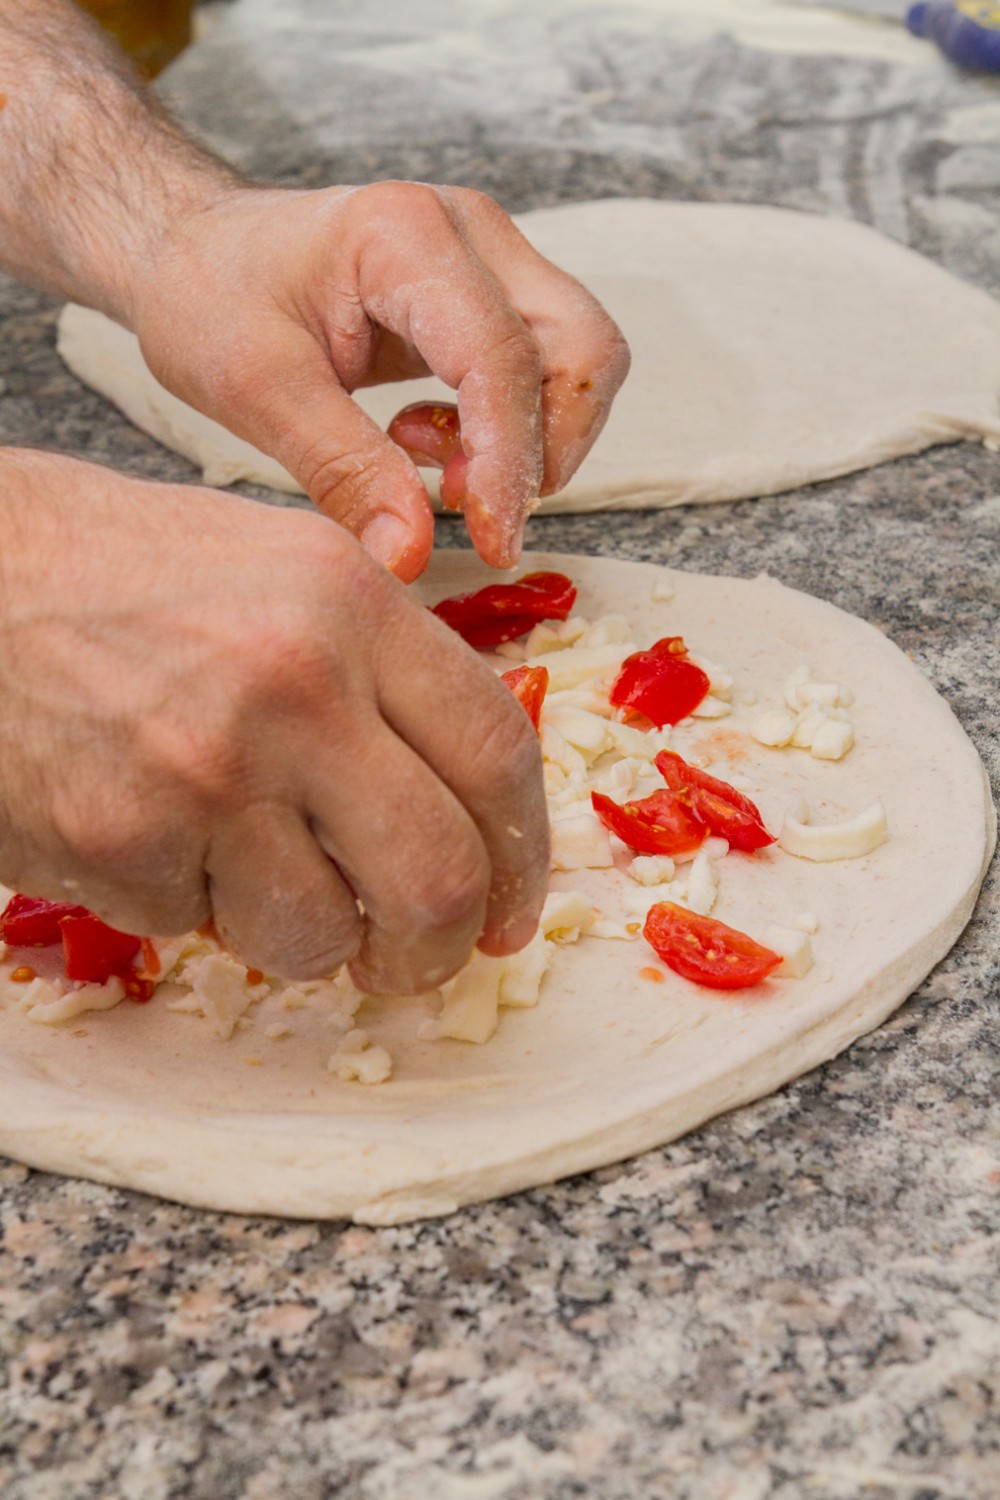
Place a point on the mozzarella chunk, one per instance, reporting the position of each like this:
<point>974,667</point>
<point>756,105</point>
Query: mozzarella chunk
<point>174,952</point>
<point>559,752</point>
<point>833,739</point>
<point>807,726</point>
<point>591,699</point>
<point>555,635</point>
<point>568,669</point>
<point>652,869</point>
<point>581,842</point>
<point>618,780</point>
<point>636,901</point>
<point>355,1058</point>
<point>220,991</point>
<point>807,921</point>
<point>711,708</point>
<point>607,927</point>
<point>794,682</point>
<point>471,1001</point>
<point>774,728</point>
<point>703,884</point>
<point>720,680</point>
<point>827,841</point>
<point>795,949</point>
<point>47,1004</point>
<point>801,690</point>
<point>565,915</point>
<point>586,732</point>
<point>607,629</point>
<point>521,980</point>
<point>663,590</point>
<point>628,740</point>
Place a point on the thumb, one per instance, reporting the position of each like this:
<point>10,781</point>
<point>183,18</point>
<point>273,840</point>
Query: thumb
<point>344,461</point>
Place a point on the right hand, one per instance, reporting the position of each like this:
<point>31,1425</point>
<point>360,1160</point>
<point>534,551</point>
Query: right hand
<point>214,707</point>
<point>267,308</point>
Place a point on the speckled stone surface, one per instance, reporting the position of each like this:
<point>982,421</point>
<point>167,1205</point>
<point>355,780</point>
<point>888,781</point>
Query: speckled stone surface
<point>798,1301</point>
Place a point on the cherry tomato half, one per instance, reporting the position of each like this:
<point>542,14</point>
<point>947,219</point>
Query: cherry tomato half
<point>660,824</point>
<point>706,951</point>
<point>529,686</point>
<point>431,434</point>
<point>31,922</point>
<point>661,683</point>
<point>724,810</point>
<point>503,611</point>
<point>94,951</point>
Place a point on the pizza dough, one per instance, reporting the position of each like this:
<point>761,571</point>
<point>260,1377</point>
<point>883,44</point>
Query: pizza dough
<point>770,349</point>
<point>609,1063</point>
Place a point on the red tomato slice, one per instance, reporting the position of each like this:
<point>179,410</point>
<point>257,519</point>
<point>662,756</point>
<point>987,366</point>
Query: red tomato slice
<point>660,683</point>
<point>726,811</point>
<point>504,611</point>
<point>529,685</point>
<point>660,824</point>
<point>31,922</point>
<point>705,951</point>
<point>94,951</point>
<point>429,432</point>
<point>486,633</point>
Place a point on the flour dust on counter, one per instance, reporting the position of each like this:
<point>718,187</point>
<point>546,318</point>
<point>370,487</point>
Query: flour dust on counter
<point>766,829</point>
<point>771,349</point>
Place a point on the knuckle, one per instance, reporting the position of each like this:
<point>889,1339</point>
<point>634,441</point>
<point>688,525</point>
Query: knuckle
<point>197,762</point>
<point>418,203</point>
<point>340,482</point>
<point>517,349</point>
<point>473,202</point>
<point>618,358</point>
<point>111,835</point>
<point>287,664</point>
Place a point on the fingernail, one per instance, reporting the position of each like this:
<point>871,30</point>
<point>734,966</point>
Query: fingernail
<point>386,538</point>
<point>498,543</point>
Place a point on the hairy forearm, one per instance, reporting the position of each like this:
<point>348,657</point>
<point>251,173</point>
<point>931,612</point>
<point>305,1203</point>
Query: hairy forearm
<point>92,169</point>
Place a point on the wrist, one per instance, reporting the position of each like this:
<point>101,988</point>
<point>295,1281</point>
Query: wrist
<point>93,167</point>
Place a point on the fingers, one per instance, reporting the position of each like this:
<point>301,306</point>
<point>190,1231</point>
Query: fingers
<point>279,903</point>
<point>344,461</point>
<point>584,355</point>
<point>583,361</point>
<point>414,857</point>
<point>481,744</point>
<point>428,287</point>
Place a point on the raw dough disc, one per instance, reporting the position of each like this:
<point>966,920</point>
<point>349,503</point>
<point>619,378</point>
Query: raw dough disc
<point>608,1064</point>
<point>770,349</point>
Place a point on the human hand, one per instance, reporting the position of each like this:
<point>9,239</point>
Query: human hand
<point>267,308</point>
<point>216,707</point>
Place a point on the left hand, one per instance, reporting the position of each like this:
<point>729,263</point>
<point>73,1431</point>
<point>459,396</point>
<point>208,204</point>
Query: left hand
<point>265,308</point>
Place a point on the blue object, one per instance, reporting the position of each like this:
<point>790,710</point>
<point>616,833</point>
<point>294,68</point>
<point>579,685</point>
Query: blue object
<point>967,31</point>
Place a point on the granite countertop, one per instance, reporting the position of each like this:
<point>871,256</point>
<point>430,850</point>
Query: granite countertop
<point>798,1300</point>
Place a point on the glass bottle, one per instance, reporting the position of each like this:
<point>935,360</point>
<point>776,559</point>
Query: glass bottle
<point>152,32</point>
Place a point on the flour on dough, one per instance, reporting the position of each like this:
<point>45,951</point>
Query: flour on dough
<point>770,349</point>
<point>608,1063</point>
